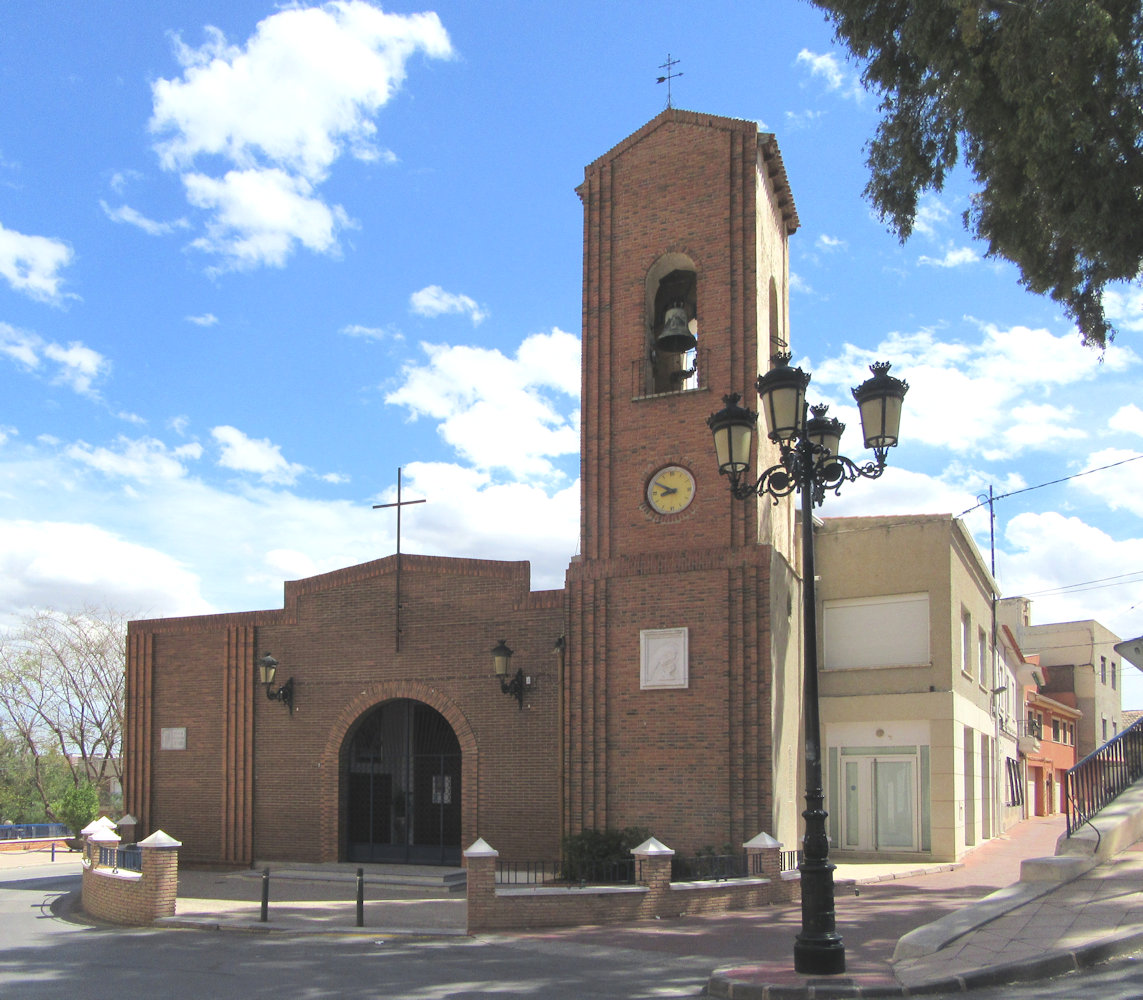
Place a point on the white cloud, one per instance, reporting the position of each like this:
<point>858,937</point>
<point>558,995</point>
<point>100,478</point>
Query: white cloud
<point>71,564</point>
<point>799,284</point>
<point>992,396</point>
<point>469,514</point>
<point>282,109</point>
<point>499,412</point>
<point>932,214</point>
<point>1124,307</point>
<point>121,178</point>
<point>258,215</point>
<point>290,564</point>
<point>78,365</point>
<point>128,215</point>
<point>435,301</point>
<point>75,365</point>
<point>796,120</point>
<point>206,319</point>
<point>1120,487</point>
<point>194,547</point>
<point>372,332</point>
<point>954,257</point>
<point>141,459</point>
<point>830,68</point>
<point>260,457</point>
<point>829,243</point>
<point>1049,551</point>
<point>32,264</point>
<point>1127,418</point>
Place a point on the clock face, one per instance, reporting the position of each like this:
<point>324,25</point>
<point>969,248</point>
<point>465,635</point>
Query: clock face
<point>671,490</point>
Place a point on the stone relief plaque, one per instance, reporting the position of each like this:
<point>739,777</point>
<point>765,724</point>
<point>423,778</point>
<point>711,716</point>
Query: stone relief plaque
<point>663,658</point>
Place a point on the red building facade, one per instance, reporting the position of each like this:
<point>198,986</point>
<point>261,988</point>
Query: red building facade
<point>660,685</point>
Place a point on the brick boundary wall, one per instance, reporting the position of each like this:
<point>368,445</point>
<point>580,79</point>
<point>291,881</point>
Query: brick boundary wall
<point>34,844</point>
<point>131,898</point>
<point>499,908</point>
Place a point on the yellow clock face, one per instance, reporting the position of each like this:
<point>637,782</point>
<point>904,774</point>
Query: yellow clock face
<point>671,490</point>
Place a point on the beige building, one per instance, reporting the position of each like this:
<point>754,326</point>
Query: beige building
<point>1082,670</point>
<point>919,706</point>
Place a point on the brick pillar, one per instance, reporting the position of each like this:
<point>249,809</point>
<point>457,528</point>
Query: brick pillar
<point>126,827</point>
<point>771,854</point>
<point>160,875</point>
<point>480,859</point>
<point>654,861</point>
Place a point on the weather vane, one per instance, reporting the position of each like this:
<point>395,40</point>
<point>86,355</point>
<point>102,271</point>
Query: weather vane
<point>670,75</point>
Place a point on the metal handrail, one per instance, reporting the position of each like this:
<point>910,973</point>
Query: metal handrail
<point>1102,775</point>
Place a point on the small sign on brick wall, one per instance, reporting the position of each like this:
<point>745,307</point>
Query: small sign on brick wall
<point>663,658</point>
<point>173,738</point>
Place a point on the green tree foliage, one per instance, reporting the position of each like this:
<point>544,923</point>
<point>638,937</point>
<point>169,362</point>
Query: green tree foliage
<point>1043,100</point>
<point>61,699</point>
<point>77,806</point>
<point>22,775</point>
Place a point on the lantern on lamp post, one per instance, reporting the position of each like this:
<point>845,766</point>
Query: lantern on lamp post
<point>809,463</point>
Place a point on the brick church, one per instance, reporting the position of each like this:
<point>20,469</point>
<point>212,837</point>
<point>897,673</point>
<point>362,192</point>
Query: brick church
<point>659,688</point>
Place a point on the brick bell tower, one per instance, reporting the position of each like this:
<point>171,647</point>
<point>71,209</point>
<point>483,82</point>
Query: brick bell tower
<point>682,684</point>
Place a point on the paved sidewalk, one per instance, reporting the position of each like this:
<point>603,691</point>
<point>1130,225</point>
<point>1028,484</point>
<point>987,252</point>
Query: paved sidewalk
<point>1092,918</point>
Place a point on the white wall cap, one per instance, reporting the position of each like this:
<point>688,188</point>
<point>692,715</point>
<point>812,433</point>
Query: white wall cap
<point>102,836</point>
<point>127,820</point>
<point>103,823</point>
<point>763,840</point>
<point>481,849</point>
<point>160,839</point>
<point>651,847</point>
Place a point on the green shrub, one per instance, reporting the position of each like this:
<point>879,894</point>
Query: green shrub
<point>77,806</point>
<point>599,855</point>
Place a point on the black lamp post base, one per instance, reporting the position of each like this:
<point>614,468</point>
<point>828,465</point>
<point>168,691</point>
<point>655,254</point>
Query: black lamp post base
<point>819,956</point>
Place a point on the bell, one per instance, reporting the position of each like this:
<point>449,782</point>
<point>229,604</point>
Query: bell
<point>677,336</point>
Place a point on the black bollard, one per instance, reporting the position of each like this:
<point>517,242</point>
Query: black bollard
<point>360,897</point>
<point>265,894</point>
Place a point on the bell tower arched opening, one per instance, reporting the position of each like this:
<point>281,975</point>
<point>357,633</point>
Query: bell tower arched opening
<point>401,772</point>
<point>671,308</point>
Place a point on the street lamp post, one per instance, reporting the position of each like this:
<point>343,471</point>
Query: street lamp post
<point>810,464</point>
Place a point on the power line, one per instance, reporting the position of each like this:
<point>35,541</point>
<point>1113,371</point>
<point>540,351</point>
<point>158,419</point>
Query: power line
<point>1054,482</point>
<point>1104,581</point>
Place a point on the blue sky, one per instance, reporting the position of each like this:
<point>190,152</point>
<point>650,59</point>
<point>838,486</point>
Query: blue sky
<point>254,258</point>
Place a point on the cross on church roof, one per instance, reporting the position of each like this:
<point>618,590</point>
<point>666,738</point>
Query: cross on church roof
<point>399,504</point>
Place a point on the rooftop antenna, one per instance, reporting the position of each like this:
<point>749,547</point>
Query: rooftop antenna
<point>670,75</point>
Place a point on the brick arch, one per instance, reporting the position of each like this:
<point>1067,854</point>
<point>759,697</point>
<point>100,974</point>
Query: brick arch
<point>329,804</point>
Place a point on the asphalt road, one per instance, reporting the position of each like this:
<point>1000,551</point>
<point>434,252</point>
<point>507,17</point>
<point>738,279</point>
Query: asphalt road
<point>46,956</point>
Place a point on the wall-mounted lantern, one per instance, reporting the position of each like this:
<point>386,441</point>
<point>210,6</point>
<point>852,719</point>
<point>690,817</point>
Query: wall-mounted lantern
<point>501,655</point>
<point>267,671</point>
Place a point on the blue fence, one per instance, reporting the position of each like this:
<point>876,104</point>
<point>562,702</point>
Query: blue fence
<point>33,831</point>
<point>128,859</point>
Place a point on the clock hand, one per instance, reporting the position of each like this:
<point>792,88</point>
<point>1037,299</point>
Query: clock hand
<point>667,490</point>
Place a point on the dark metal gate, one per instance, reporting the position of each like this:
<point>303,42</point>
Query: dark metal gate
<point>404,787</point>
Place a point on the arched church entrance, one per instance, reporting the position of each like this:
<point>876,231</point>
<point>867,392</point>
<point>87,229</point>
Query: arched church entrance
<point>402,777</point>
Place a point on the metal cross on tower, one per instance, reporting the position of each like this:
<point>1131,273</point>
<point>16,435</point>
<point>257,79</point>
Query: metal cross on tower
<point>399,504</point>
<point>670,75</point>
